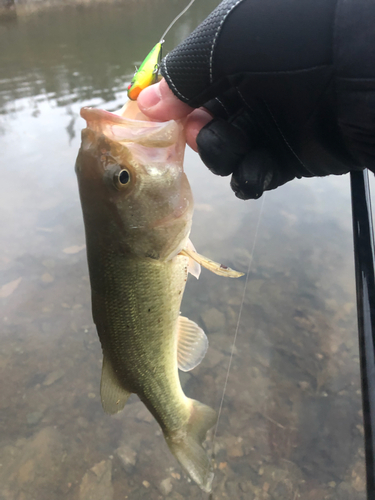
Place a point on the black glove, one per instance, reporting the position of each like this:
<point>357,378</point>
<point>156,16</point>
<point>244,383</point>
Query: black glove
<point>291,84</point>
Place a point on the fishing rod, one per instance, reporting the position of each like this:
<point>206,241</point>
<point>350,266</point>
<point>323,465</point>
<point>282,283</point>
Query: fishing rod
<point>363,235</point>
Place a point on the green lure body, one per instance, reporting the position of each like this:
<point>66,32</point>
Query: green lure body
<point>147,73</point>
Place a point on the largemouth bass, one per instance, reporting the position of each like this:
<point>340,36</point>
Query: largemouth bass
<point>137,207</point>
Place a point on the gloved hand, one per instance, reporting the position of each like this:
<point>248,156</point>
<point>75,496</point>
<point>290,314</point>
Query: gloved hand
<point>291,86</point>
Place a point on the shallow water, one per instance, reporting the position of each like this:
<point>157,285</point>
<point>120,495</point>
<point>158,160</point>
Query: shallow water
<point>291,424</point>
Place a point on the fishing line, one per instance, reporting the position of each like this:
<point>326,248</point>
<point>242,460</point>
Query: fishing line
<point>148,72</point>
<point>175,20</point>
<point>238,324</point>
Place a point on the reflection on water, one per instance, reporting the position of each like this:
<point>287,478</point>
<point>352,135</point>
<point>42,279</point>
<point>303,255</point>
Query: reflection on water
<point>291,425</point>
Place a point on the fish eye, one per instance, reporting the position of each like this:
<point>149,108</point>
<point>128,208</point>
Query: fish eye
<point>122,178</point>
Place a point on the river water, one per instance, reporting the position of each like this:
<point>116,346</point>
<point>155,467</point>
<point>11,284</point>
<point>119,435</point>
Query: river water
<point>291,422</point>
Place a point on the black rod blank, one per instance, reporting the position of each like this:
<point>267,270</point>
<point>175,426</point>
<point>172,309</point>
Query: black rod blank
<point>363,235</point>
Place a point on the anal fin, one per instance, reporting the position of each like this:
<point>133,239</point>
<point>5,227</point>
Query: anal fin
<point>215,267</point>
<point>192,344</point>
<point>112,394</point>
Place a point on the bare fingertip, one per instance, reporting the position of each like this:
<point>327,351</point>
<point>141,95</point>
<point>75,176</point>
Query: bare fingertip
<point>194,123</point>
<point>149,97</point>
<point>159,103</point>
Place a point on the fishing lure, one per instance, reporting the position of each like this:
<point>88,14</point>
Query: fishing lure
<point>148,72</point>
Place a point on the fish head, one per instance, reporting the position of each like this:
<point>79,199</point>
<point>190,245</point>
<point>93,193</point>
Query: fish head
<point>135,196</point>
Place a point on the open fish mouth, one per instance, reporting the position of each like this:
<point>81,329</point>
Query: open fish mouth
<point>143,132</point>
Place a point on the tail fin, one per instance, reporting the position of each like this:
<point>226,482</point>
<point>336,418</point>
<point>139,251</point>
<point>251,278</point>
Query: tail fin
<point>186,445</point>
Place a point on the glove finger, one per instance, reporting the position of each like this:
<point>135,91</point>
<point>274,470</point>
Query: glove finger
<point>225,105</point>
<point>221,146</point>
<point>257,172</point>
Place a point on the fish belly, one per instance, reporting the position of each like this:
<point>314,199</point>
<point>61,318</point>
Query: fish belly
<point>136,305</point>
<point>136,308</point>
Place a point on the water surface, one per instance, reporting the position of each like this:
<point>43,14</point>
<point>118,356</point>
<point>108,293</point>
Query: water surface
<point>291,423</point>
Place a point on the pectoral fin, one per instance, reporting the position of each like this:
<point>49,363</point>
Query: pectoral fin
<point>192,344</point>
<point>112,394</point>
<point>209,264</point>
<point>194,267</point>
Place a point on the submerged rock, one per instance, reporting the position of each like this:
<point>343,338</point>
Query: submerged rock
<point>34,417</point>
<point>214,320</point>
<point>127,456</point>
<point>281,483</point>
<point>53,377</point>
<point>33,467</point>
<point>47,278</point>
<point>346,492</point>
<point>97,482</point>
<point>213,358</point>
<point>358,477</point>
<point>165,486</point>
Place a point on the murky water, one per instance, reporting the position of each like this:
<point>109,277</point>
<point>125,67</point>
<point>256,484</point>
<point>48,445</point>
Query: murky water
<point>291,424</point>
